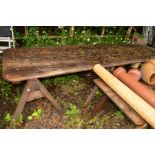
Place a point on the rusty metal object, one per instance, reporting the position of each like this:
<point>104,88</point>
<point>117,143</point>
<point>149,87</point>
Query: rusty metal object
<point>98,107</point>
<point>91,96</point>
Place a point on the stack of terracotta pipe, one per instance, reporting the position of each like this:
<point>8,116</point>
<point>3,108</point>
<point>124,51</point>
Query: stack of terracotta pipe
<point>127,86</point>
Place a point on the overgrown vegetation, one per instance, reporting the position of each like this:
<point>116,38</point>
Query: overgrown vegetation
<point>38,37</point>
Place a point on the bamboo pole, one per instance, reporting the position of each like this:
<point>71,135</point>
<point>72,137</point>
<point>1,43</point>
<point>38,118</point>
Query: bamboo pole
<point>146,111</point>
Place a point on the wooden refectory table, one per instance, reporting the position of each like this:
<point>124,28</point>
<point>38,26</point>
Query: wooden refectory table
<point>30,64</point>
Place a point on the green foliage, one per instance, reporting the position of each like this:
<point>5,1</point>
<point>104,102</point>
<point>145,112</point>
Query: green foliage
<point>20,119</point>
<point>7,117</point>
<point>82,35</point>
<point>73,110</point>
<point>5,89</point>
<point>33,39</point>
<point>48,82</point>
<point>98,93</point>
<point>36,114</point>
<point>119,115</point>
<point>17,96</point>
<point>65,79</point>
<point>74,119</point>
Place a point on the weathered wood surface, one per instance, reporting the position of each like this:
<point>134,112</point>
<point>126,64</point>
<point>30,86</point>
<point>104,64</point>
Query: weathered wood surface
<point>27,63</point>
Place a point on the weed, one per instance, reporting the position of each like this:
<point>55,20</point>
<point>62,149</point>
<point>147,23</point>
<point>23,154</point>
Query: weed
<point>48,82</point>
<point>98,93</point>
<point>64,79</point>
<point>7,117</point>
<point>17,96</point>
<point>73,110</point>
<point>5,89</point>
<point>20,119</point>
<point>36,114</point>
<point>105,119</point>
<point>119,115</point>
<point>74,119</point>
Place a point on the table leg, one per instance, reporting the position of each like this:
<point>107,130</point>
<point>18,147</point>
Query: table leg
<point>34,89</point>
<point>49,96</point>
<point>23,99</point>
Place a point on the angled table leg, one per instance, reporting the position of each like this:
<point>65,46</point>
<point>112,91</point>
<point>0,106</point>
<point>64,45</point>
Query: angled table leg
<point>23,99</point>
<point>48,96</point>
<point>34,89</point>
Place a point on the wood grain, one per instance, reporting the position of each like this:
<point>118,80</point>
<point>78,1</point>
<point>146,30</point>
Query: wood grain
<point>27,63</point>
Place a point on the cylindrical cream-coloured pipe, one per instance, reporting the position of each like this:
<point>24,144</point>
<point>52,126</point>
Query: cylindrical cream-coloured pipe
<point>146,111</point>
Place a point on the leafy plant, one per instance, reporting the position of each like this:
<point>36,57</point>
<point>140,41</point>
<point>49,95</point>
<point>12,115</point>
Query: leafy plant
<point>7,117</point>
<point>65,79</point>
<point>98,93</point>
<point>74,119</point>
<point>33,39</point>
<point>20,119</point>
<point>119,115</point>
<point>48,82</point>
<point>36,114</point>
<point>73,110</point>
<point>5,89</point>
<point>82,35</point>
<point>17,96</point>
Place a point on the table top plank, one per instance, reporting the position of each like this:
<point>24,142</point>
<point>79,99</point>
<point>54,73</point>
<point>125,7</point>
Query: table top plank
<point>27,63</point>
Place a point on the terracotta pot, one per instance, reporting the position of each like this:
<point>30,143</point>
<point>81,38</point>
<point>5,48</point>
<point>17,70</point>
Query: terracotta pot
<point>147,94</point>
<point>148,72</point>
<point>135,74</point>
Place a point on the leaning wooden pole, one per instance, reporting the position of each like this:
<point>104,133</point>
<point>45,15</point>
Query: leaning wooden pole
<point>146,111</point>
<point>122,105</point>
